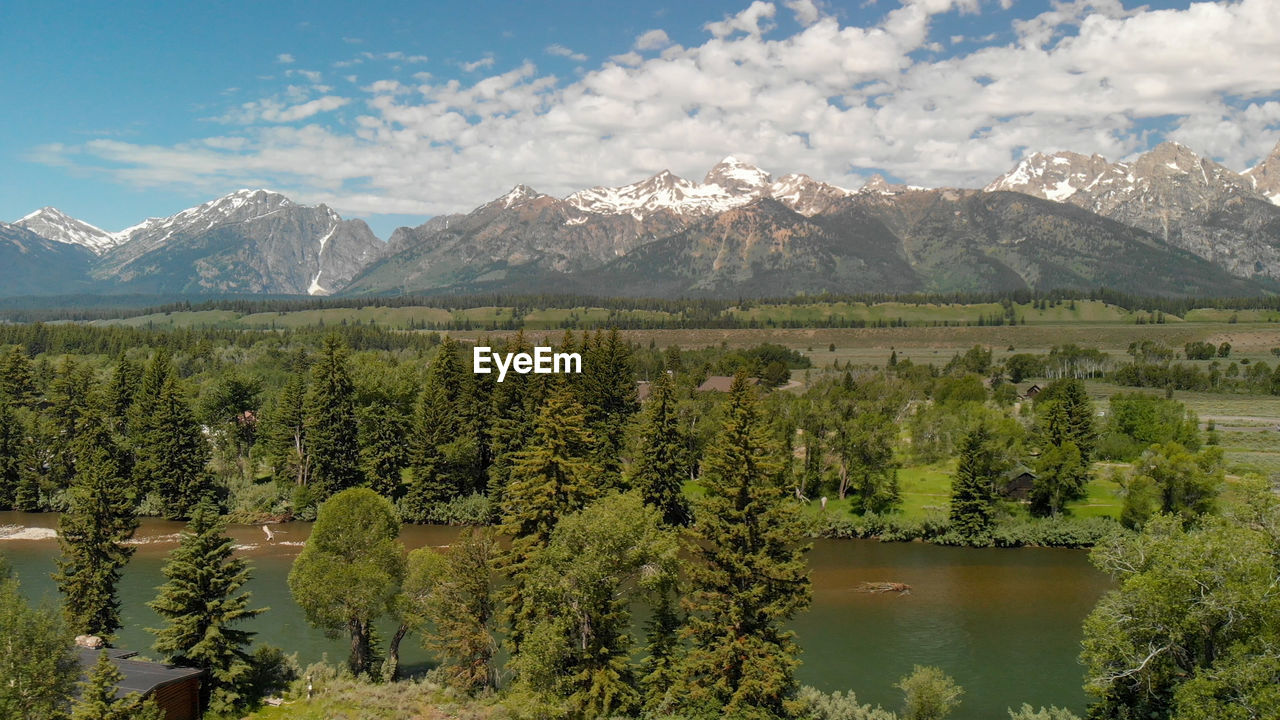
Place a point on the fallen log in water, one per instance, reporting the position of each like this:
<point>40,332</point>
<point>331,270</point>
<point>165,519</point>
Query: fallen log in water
<point>883,587</point>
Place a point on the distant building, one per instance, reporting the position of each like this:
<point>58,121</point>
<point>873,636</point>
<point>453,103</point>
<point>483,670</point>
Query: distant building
<point>175,689</point>
<point>722,383</point>
<point>1032,392</point>
<point>1018,483</point>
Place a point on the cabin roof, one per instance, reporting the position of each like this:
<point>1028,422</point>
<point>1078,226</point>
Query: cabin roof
<point>139,676</point>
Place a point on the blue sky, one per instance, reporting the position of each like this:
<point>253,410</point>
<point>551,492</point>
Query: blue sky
<point>398,111</point>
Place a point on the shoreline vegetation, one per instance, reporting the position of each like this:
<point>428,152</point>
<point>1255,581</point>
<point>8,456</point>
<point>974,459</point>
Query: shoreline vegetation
<point>683,470</point>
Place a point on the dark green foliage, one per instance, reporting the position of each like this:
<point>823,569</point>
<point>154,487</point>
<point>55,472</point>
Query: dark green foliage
<point>1061,476</point>
<point>607,389</point>
<point>384,453</point>
<point>658,673</point>
<point>1022,366</point>
<point>1066,414</point>
<point>350,570</point>
<point>16,377</point>
<point>514,408</point>
<point>98,699</point>
<point>332,433</point>
<point>201,605</point>
<point>972,495</point>
<point>171,454</point>
<point>13,448</point>
<point>68,414</point>
<point>91,533</point>
<point>122,390</point>
<point>598,562</point>
<point>38,669</point>
<point>1200,350</point>
<point>552,477</point>
<point>659,471</point>
<point>748,577</point>
<point>286,434</point>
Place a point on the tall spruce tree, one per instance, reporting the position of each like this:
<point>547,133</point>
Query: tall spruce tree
<point>513,408</point>
<point>384,434</point>
<point>141,416</point>
<point>1067,416</point>
<point>973,486</point>
<point>201,605</point>
<point>332,432</point>
<point>122,391</point>
<point>99,518</point>
<point>98,699</point>
<point>171,456</point>
<point>38,668</point>
<point>286,432</point>
<point>609,395</point>
<point>17,377</point>
<point>552,477</point>
<point>70,405</point>
<point>13,440</point>
<point>749,575</point>
<point>659,467</point>
<point>433,480</point>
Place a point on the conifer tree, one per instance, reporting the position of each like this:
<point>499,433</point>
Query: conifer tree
<point>972,486</point>
<point>332,434</point>
<point>513,407</point>
<point>38,669</point>
<point>552,477</point>
<point>12,447</point>
<point>17,379</point>
<point>659,671</point>
<point>122,390</point>
<point>91,533</point>
<point>749,575</point>
<point>286,432</point>
<point>609,395</point>
<point>98,699</point>
<point>384,433</point>
<point>171,456</point>
<point>69,405</point>
<point>432,480</point>
<point>1068,417</point>
<point>201,605</point>
<point>659,467</point>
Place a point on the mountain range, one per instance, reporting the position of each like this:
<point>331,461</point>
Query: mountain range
<point>1166,222</point>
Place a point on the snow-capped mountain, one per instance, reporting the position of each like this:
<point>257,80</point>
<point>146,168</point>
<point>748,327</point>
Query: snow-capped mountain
<point>1264,177</point>
<point>1188,201</point>
<point>250,241</point>
<point>31,264</point>
<point>53,224</point>
<point>732,183</point>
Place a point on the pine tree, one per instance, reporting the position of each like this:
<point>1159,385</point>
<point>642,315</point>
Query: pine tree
<point>1068,417</point>
<point>69,406</point>
<point>660,668</point>
<point>38,668</point>
<point>122,390</point>
<point>286,432</point>
<point>384,433</point>
<point>432,481</point>
<point>609,395</point>
<point>659,469</point>
<point>552,477</point>
<point>98,699</point>
<point>91,533</point>
<point>332,434</point>
<point>972,486</point>
<point>172,455</point>
<point>513,407</point>
<point>749,575</point>
<point>201,605</point>
<point>12,446</point>
<point>17,377</point>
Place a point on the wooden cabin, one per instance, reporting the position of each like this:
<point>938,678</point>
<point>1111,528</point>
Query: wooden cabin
<point>1017,484</point>
<point>175,689</point>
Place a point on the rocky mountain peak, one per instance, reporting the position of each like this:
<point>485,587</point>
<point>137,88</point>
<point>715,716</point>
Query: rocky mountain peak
<point>53,224</point>
<point>1264,177</point>
<point>738,177</point>
<point>517,195</point>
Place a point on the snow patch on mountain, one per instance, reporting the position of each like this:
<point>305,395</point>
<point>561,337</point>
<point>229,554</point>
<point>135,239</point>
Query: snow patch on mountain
<point>53,224</point>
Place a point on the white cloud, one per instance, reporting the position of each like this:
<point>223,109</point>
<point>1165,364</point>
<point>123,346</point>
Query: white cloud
<point>561,51</point>
<point>652,40</point>
<point>830,100</point>
<point>805,11</point>
<point>484,62</point>
<point>284,58</point>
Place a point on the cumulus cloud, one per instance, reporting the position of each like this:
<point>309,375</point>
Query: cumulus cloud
<point>805,11</point>
<point>829,99</point>
<point>652,40</point>
<point>284,58</point>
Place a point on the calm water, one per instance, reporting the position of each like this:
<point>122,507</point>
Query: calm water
<point>1004,623</point>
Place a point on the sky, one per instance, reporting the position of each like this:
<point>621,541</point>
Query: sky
<point>394,112</point>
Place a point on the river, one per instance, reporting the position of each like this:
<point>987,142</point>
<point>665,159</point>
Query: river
<point>1005,623</point>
